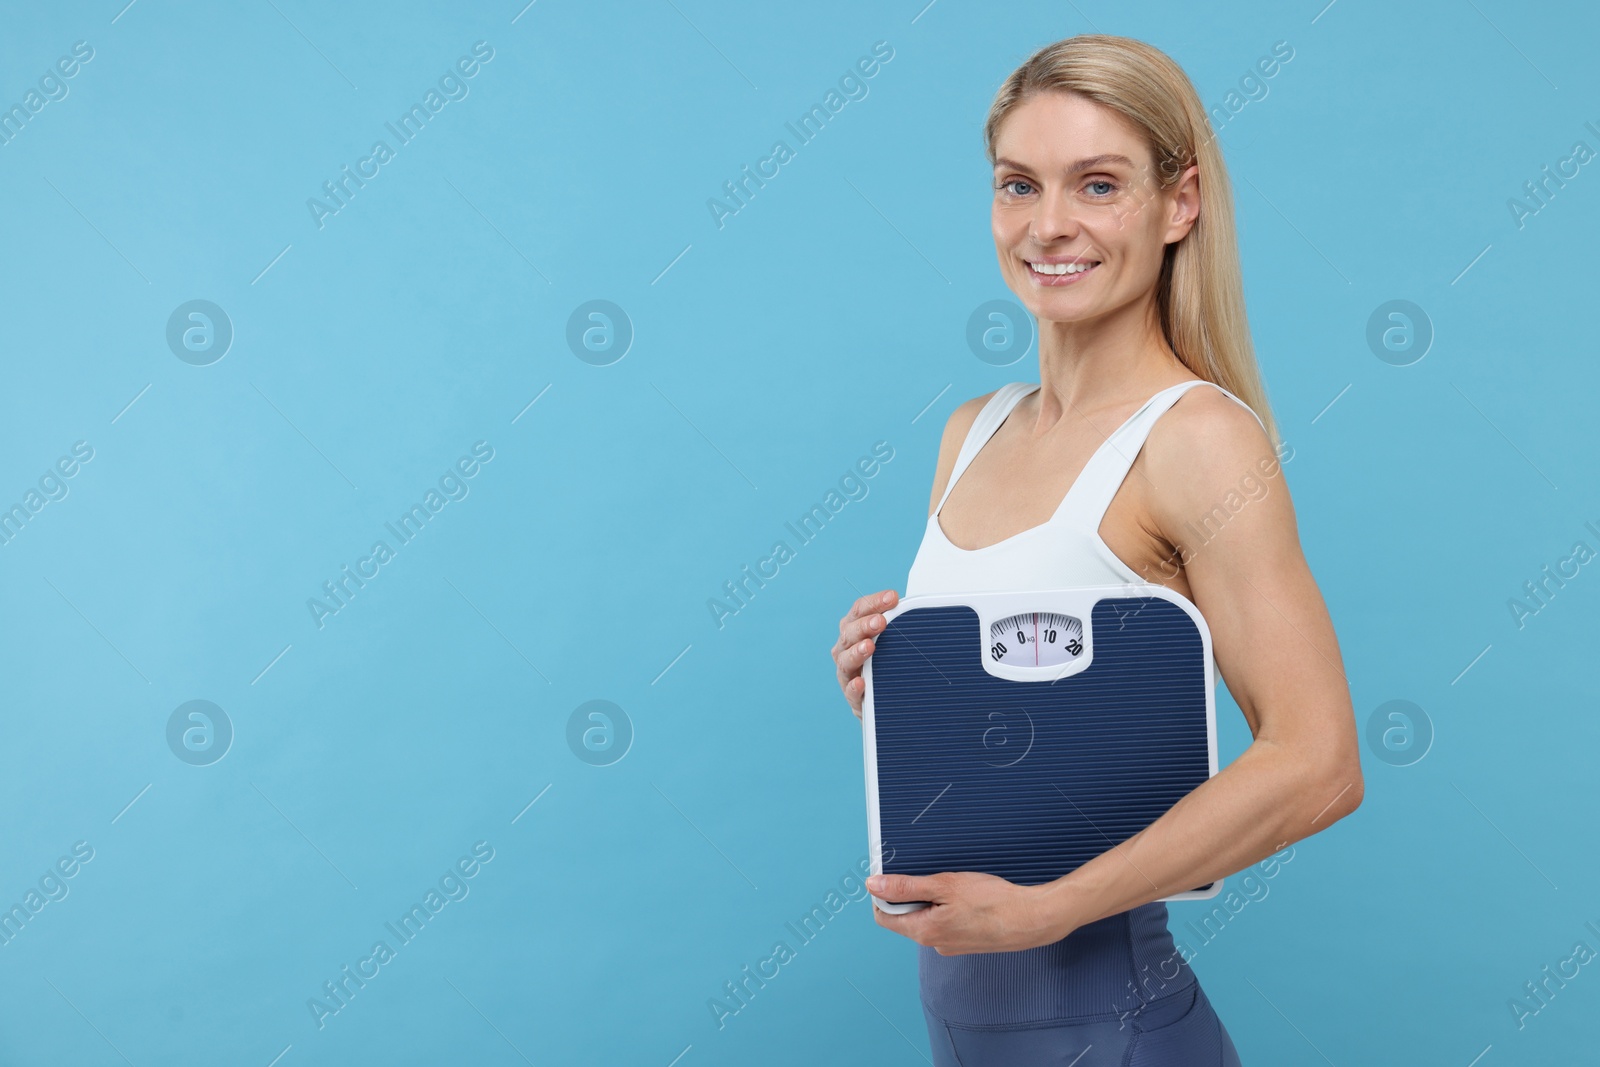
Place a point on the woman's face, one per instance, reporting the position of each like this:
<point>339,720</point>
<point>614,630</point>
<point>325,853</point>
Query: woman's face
<point>1074,186</point>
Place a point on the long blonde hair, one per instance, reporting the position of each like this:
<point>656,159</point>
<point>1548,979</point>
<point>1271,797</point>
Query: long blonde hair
<point>1201,292</point>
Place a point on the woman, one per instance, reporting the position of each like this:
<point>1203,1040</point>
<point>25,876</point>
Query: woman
<point>1113,225</point>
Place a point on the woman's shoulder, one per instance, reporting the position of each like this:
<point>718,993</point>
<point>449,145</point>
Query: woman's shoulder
<point>1206,442</point>
<point>966,413</point>
<point>1207,414</point>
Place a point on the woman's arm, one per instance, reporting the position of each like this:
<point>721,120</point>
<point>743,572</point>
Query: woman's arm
<point>1217,493</point>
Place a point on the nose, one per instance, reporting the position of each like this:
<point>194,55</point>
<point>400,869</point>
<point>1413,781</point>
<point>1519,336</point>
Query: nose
<point>1054,217</point>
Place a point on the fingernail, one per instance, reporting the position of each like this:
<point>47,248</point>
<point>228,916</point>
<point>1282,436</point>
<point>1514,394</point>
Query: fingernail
<point>875,883</point>
<point>886,598</point>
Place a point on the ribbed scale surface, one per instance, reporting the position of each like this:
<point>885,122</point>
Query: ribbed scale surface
<point>1030,780</point>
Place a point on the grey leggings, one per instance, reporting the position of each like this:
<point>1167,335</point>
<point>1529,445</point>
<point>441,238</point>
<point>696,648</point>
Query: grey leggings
<point>1180,1030</point>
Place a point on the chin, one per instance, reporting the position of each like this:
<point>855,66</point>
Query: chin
<point>1056,309</point>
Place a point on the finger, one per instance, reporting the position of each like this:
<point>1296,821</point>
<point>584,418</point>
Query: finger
<point>848,664</point>
<point>854,687</point>
<point>870,602</point>
<point>855,645</point>
<point>851,658</point>
<point>904,887</point>
<point>854,690</point>
<point>866,628</point>
<point>856,627</point>
<point>882,599</point>
<point>851,697</point>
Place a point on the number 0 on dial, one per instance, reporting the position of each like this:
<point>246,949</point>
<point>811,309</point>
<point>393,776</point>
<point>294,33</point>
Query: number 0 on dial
<point>1036,639</point>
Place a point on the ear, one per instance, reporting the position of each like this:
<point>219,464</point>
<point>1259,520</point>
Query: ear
<point>1184,204</point>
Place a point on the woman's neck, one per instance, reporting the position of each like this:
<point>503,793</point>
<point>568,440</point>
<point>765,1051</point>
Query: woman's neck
<point>1085,367</point>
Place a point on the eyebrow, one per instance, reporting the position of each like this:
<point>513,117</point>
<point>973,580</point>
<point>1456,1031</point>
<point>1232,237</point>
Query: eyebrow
<point>1081,165</point>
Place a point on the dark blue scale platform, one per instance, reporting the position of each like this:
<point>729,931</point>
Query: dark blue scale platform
<point>1030,780</point>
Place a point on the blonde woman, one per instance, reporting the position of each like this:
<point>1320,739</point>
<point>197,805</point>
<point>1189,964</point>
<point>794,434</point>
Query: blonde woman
<point>1146,453</point>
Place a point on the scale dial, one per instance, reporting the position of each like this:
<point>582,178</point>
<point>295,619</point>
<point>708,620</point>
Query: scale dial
<point>1036,639</point>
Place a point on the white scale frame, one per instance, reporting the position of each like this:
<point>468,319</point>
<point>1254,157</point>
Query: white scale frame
<point>993,607</point>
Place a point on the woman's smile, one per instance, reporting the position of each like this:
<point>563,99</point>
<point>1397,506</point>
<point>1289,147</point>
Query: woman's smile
<point>1059,270</point>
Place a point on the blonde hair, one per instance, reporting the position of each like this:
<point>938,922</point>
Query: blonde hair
<point>1200,293</point>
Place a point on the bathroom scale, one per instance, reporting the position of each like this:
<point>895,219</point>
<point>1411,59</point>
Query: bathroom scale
<point>1022,734</point>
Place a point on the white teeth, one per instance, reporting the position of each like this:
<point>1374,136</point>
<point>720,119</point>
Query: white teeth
<point>1060,268</point>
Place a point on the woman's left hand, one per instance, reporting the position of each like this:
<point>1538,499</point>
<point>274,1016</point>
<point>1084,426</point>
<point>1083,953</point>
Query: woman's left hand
<point>970,912</point>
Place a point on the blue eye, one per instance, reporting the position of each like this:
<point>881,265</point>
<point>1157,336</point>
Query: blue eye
<point>1109,187</point>
<point>1015,181</point>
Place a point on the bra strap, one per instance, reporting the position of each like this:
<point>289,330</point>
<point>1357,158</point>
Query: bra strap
<point>1109,466</point>
<point>990,416</point>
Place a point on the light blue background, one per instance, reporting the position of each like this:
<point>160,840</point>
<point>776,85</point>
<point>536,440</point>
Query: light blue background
<point>768,356</point>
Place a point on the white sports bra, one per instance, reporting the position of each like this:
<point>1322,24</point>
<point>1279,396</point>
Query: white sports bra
<point>1063,552</point>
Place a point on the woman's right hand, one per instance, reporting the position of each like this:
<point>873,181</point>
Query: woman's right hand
<point>857,635</point>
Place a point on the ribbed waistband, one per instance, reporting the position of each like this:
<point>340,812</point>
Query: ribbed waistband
<point>1108,969</point>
